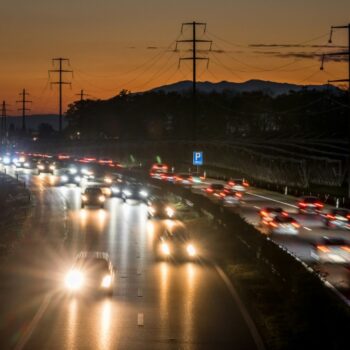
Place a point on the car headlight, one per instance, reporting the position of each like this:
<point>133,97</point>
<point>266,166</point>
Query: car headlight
<point>108,180</point>
<point>41,167</point>
<point>26,164</point>
<point>191,250</point>
<point>106,281</point>
<point>73,170</point>
<point>74,280</point>
<point>127,193</point>
<point>52,167</point>
<point>170,212</point>
<point>6,160</point>
<point>22,159</point>
<point>152,210</point>
<point>115,190</point>
<point>77,178</point>
<point>143,193</point>
<point>64,178</point>
<point>165,249</point>
<point>84,198</point>
<point>101,198</point>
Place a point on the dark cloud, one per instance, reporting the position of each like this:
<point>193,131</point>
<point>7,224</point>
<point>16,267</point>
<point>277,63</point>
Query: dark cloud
<point>297,45</point>
<point>304,55</point>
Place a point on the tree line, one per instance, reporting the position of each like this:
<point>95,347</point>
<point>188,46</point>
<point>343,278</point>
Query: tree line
<point>224,116</point>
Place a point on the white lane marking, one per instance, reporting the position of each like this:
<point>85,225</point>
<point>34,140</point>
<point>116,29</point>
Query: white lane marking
<point>139,292</point>
<point>256,207</point>
<point>33,324</point>
<point>307,228</point>
<point>140,319</point>
<point>250,323</point>
<point>273,200</point>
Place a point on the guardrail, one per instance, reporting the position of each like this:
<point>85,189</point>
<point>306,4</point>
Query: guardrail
<point>311,304</point>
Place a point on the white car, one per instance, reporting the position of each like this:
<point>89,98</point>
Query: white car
<point>332,250</point>
<point>283,225</point>
<point>91,272</point>
<point>239,185</point>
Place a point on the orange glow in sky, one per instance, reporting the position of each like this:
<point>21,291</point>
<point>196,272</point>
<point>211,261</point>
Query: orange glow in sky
<point>128,44</point>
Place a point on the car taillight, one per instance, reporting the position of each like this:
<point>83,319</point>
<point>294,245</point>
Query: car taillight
<point>222,194</point>
<point>319,205</point>
<point>323,248</point>
<point>295,224</point>
<point>302,204</point>
<point>231,183</point>
<point>284,213</point>
<point>239,195</point>
<point>245,184</point>
<point>263,213</point>
<point>273,224</point>
<point>330,217</point>
<point>346,248</point>
<point>209,190</point>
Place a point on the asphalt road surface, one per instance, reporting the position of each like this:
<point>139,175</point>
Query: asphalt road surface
<point>156,304</point>
<point>312,231</point>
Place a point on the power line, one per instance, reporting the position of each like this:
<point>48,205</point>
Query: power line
<point>194,58</point>
<point>24,108</point>
<point>341,53</point>
<point>60,83</point>
<point>81,94</point>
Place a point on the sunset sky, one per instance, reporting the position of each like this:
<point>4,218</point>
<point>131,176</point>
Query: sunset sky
<point>116,44</point>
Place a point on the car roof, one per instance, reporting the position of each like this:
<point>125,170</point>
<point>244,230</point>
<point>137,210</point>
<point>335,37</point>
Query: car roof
<point>273,209</point>
<point>333,241</point>
<point>281,218</point>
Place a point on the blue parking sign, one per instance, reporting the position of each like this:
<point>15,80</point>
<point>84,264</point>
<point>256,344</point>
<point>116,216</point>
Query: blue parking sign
<point>197,158</point>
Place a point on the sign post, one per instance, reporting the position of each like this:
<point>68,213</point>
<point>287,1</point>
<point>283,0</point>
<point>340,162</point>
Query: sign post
<point>197,159</point>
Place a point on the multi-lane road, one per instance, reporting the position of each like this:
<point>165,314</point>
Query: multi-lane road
<point>156,304</point>
<point>311,232</point>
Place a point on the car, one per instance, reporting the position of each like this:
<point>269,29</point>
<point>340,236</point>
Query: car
<point>170,177</point>
<point>157,170</point>
<point>183,179</point>
<point>176,243</point>
<point>267,214</point>
<point>68,178</point>
<point>161,209</point>
<point>214,189</point>
<point>240,185</point>
<point>331,250</point>
<point>310,205</point>
<point>46,166</point>
<point>93,196</point>
<point>230,197</point>
<point>337,218</point>
<point>19,161</point>
<point>92,271</point>
<point>283,225</point>
<point>134,191</point>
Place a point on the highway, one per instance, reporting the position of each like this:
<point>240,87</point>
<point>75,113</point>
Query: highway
<point>312,230</point>
<point>156,304</point>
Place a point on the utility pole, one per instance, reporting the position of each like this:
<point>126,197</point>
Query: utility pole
<point>24,108</point>
<point>194,58</point>
<point>341,53</point>
<point>81,94</point>
<point>4,122</point>
<point>60,83</point>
